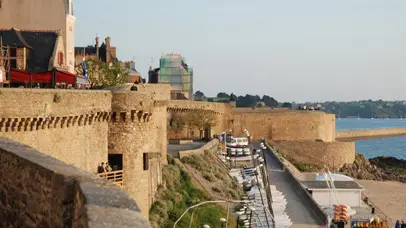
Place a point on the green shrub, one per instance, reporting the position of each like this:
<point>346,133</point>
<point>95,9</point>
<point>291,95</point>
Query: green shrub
<point>216,189</point>
<point>208,176</point>
<point>57,98</point>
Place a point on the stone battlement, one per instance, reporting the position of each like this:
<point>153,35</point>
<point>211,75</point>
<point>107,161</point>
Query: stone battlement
<point>40,191</point>
<point>84,128</point>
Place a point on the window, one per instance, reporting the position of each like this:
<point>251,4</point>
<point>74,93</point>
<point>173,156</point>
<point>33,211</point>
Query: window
<point>60,58</point>
<point>145,159</point>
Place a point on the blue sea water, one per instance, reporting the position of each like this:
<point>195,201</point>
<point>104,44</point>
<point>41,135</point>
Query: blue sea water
<point>393,146</point>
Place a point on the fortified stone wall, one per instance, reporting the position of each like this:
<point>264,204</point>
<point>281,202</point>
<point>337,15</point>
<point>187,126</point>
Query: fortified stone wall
<point>285,125</point>
<point>137,125</point>
<point>161,92</point>
<point>332,154</point>
<point>180,107</point>
<point>82,127</point>
<point>40,191</point>
<point>67,124</point>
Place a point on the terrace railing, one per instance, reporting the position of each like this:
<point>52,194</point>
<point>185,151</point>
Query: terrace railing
<point>115,176</point>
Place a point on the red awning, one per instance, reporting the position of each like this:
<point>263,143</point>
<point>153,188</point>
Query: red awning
<point>20,76</point>
<point>65,77</point>
<point>45,77</point>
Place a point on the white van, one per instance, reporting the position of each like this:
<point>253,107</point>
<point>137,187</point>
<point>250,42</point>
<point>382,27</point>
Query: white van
<point>240,142</point>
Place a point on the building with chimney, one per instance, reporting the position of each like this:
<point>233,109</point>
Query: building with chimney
<point>104,52</point>
<point>174,70</point>
<point>42,17</point>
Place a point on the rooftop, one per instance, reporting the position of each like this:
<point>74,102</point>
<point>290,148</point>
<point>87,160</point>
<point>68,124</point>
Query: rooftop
<point>338,185</point>
<point>41,43</point>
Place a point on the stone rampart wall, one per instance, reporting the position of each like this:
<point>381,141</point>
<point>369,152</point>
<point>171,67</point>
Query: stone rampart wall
<point>370,133</point>
<point>289,126</point>
<point>40,191</point>
<point>82,127</point>
<point>70,125</point>
<point>160,92</point>
<point>23,103</point>
<point>332,154</point>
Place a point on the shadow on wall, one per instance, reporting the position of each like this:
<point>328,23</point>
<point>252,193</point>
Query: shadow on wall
<point>40,191</point>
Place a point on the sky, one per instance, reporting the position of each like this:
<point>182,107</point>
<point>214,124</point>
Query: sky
<point>292,50</point>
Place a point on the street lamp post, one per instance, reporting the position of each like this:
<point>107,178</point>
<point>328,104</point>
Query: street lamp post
<point>239,213</point>
<point>213,201</point>
<point>223,220</point>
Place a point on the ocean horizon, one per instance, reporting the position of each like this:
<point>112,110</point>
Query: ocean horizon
<point>370,148</point>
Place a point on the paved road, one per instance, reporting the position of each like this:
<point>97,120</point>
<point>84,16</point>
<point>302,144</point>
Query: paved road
<point>174,149</point>
<point>300,214</point>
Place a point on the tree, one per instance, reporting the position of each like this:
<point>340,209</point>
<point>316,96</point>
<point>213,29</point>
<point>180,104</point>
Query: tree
<point>199,96</point>
<point>223,95</point>
<point>287,105</point>
<point>233,97</point>
<point>201,120</point>
<point>102,75</point>
<point>270,101</point>
<point>113,75</point>
<point>199,93</point>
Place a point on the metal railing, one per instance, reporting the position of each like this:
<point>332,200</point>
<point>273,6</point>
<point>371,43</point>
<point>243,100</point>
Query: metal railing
<point>115,176</point>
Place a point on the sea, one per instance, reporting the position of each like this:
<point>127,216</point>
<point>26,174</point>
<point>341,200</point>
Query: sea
<point>392,146</point>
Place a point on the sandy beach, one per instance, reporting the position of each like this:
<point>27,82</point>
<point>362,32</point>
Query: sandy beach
<point>388,196</point>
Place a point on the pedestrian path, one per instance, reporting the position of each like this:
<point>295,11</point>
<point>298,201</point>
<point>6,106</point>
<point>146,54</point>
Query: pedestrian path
<point>292,207</point>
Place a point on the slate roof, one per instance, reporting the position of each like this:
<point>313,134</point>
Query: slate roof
<point>40,43</point>
<point>338,185</point>
<point>13,38</point>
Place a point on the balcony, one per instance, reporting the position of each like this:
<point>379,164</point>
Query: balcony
<point>115,176</point>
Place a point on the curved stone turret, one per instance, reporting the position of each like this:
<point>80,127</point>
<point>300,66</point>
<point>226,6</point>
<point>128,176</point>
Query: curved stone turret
<point>134,132</point>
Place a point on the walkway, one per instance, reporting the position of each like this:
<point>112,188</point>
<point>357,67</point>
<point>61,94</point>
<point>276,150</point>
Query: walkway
<point>173,149</point>
<point>299,213</point>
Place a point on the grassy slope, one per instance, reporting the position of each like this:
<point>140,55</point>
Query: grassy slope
<point>176,195</point>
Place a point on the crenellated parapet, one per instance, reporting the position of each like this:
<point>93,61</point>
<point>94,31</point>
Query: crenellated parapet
<point>50,122</point>
<point>132,116</point>
<point>181,106</point>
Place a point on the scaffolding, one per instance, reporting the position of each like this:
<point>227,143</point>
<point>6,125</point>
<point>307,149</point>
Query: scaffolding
<point>174,71</point>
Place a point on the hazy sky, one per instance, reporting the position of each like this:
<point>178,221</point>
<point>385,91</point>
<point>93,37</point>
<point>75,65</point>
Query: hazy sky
<point>293,50</point>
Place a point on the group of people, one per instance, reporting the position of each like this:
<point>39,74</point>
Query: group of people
<point>102,168</point>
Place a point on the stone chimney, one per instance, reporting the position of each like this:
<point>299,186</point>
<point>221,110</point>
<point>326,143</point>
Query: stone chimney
<point>97,48</point>
<point>108,50</point>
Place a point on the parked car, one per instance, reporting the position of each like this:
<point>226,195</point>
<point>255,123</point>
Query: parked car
<point>232,151</point>
<point>247,151</point>
<point>239,151</point>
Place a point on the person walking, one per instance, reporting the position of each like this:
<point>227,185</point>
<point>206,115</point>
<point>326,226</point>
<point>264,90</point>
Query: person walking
<point>397,225</point>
